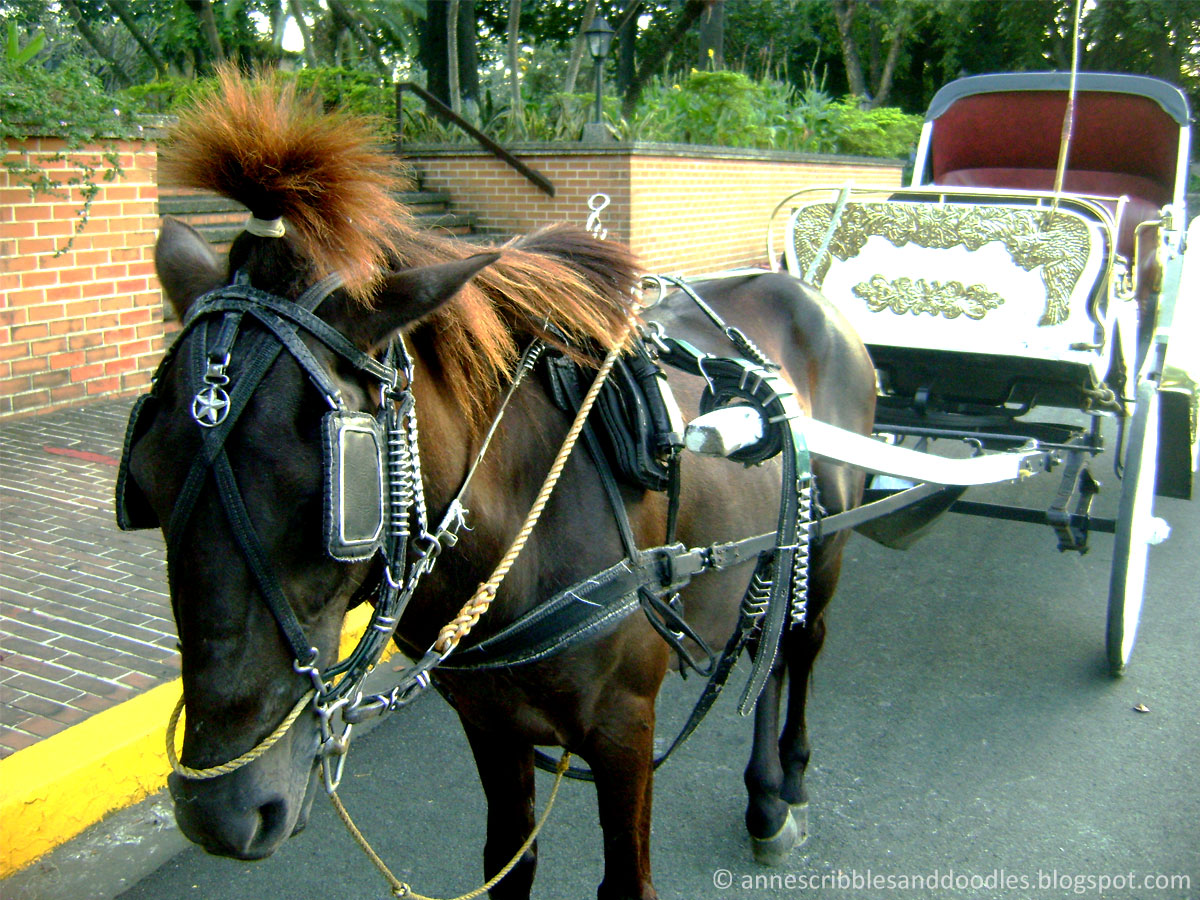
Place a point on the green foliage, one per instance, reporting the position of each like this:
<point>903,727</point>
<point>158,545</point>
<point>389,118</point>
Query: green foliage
<point>67,103</point>
<point>724,109</point>
<point>15,54</point>
<point>169,94</point>
<point>362,93</point>
<point>884,131</point>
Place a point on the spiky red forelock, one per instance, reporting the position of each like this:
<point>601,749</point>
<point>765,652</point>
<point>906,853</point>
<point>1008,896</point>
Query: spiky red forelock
<point>278,153</point>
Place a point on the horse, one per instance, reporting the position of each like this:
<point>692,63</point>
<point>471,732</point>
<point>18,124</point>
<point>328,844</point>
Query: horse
<point>320,194</point>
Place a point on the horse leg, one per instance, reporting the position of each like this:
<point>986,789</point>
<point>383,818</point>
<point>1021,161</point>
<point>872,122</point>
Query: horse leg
<point>621,758</point>
<point>777,808</point>
<point>506,772</point>
<point>769,821</point>
<point>794,749</point>
<point>800,649</point>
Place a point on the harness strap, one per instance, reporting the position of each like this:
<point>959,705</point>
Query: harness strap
<point>580,611</point>
<point>748,619</point>
<point>568,393</point>
<point>242,298</point>
<point>603,599</point>
<point>739,380</point>
<point>214,442</point>
<point>272,590</point>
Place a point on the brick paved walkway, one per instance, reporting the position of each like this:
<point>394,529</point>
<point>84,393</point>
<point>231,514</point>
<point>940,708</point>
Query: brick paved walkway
<point>84,618</point>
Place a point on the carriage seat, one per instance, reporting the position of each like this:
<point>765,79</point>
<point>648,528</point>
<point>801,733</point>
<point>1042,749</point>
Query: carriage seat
<point>1144,200</point>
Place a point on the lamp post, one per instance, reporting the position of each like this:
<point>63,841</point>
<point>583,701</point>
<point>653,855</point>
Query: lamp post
<point>599,39</point>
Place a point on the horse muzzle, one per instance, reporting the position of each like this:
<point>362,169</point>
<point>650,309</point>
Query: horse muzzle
<point>248,813</point>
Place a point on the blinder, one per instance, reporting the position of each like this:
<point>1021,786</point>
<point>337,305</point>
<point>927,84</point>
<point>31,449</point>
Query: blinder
<point>354,444</point>
<point>133,508</point>
<point>356,492</point>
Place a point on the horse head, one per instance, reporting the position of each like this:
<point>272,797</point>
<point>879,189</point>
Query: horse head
<point>241,504</point>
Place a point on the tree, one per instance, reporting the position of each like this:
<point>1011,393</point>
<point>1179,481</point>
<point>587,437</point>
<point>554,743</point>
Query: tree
<point>881,25</point>
<point>93,40</point>
<point>578,47</point>
<point>651,62</point>
<point>712,36</point>
<point>208,26</point>
<point>121,8</point>
<point>435,55</point>
<point>514,53</point>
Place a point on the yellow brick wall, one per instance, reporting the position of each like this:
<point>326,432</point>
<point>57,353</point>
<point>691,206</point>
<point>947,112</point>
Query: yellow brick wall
<point>686,213</point>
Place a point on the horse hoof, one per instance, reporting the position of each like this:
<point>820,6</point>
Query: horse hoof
<point>800,816</point>
<point>773,851</point>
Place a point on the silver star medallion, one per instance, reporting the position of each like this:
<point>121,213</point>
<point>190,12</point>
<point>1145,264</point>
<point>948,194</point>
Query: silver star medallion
<point>210,406</point>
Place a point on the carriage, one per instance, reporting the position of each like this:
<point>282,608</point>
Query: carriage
<point>355,411</point>
<point>1014,307</point>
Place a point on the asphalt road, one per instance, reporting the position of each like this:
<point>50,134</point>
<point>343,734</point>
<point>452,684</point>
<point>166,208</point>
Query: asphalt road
<point>965,732</point>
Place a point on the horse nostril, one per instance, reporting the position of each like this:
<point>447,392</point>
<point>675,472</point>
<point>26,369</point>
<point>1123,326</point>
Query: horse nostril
<point>274,827</point>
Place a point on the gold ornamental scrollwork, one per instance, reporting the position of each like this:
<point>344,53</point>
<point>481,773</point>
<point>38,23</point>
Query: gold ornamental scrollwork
<point>950,299</point>
<point>1057,243</point>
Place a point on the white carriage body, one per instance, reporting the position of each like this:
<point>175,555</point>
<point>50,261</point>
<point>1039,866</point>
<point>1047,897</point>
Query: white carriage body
<point>1021,280</point>
<point>982,285</point>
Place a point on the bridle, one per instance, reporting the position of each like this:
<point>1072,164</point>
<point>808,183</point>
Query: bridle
<point>367,455</point>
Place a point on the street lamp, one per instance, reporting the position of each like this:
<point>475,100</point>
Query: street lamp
<point>599,39</point>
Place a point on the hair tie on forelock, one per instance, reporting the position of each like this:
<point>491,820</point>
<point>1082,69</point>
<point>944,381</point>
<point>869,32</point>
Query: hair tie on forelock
<point>272,228</point>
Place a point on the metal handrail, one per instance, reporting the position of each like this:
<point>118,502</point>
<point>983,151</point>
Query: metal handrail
<point>443,111</point>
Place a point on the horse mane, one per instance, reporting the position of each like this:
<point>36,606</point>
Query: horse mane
<point>258,142</point>
<point>559,283</point>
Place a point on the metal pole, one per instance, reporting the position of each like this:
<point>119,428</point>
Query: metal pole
<point>399,119</point>
<point>599,90</point>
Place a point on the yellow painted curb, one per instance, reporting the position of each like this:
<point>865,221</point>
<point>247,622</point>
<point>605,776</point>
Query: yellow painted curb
<point>53,790</point>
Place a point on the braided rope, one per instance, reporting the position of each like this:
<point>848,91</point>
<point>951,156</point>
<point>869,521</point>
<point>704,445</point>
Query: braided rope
<point>460,626</point>
<point>402,889</point>
<point>234,764</point>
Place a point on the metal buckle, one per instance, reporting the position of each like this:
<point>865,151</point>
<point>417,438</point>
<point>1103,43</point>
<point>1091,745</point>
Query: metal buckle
<point>334,746</point>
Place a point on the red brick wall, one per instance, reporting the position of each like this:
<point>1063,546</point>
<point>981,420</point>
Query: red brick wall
<point>689,211</point>
<point>89,323</point>
<point>86,323</point>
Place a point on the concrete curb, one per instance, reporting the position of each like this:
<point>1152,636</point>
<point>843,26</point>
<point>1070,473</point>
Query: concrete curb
<point>54,790</point>
<point>106,859</point>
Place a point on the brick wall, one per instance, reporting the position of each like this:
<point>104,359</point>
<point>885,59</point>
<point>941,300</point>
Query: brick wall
<point>86,323</point>
<point>89,322</point>
<point>689,210</point>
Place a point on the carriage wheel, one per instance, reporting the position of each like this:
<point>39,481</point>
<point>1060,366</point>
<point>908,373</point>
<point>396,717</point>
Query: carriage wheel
<point>1137,528</point>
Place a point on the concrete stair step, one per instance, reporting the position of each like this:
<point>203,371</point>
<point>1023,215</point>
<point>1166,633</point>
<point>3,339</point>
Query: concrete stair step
<point>221,220</point>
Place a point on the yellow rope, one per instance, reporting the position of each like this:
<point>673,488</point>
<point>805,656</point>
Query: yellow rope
<point>460,626</point>
<point>401,889</point>
<point>248,757</point>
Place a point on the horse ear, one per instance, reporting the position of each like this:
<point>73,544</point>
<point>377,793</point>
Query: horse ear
<point>186,264</point>
<point>413,294</point>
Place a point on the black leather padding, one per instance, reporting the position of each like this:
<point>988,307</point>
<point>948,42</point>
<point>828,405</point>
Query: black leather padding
<point>632,416</point>
<point>355,484</point>
<point>133,509</point>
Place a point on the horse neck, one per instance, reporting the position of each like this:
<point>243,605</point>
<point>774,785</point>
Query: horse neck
<point>500,493</point>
